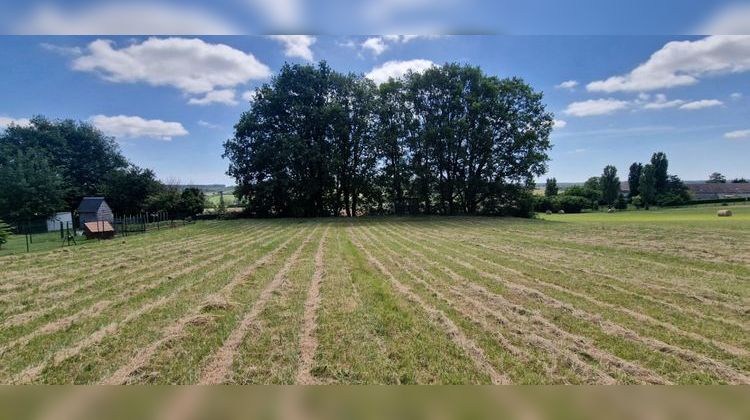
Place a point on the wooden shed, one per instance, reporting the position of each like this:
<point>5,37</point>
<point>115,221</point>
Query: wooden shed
<point>94,209</point>
<point>101,230</point>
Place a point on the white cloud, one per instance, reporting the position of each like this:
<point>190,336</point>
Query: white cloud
<point>62,50</point>
<point>731,20</point>
<point>736,96</point>
<point>595,107</point>
<point>136,127</point>
<point>249,96</point>
<point>570,85</point>
<point>702,104</point>
<point>297,45</point>
<point>8,121</point>
<point>207,124</point>
<point>659,102</point>
<point>559,123</point>
<point>191,65</point>
<point>124,18</point>
<point>397,69</point>
<point>737,135</point>
<point>375,44</point>
<point>682,63</point>
<point>221,96</point>
<point>379,44</point>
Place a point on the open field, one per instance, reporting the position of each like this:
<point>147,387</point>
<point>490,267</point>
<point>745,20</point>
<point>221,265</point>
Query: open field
<point>635,297</point>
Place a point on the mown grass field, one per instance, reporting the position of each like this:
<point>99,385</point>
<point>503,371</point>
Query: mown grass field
<point>637,297</point>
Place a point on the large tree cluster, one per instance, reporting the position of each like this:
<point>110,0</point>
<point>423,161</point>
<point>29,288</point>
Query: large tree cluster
<point>48,166</point>
<point>451,140</point>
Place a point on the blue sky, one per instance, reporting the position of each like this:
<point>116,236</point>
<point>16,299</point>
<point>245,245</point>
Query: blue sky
<point>691,101</point>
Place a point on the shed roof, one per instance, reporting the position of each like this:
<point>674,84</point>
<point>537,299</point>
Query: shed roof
<point>90,204</point>
<point>98,227</point>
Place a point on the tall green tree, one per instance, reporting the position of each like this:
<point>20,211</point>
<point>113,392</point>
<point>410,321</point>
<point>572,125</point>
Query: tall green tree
<point>353,148</point>
<point>550,189</point>
<point>30,188</point>
<point>610,185</point>
<point>647,185</point>
<point>592,189</point>
<point>634,177</point>
<point>395,126</point>
<point>128,190</point>
<point>661,166</point>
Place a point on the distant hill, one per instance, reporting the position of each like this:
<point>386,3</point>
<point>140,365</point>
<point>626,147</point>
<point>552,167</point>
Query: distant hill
<point>210,188</point>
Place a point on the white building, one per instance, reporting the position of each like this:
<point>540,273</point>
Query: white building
<point>53,223</point>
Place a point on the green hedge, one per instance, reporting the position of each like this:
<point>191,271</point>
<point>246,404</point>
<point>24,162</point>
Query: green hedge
<point>714,201</point>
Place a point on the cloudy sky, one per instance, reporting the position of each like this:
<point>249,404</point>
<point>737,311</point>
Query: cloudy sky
<point>172,100</point>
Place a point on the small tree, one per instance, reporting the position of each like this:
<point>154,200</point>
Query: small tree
<point>551,190</point>
<point>222,208</point>
<point>610,185</point>
<point>593,191</point>
<point>192,201</point>
<point>739,181</point>
<point>637,201</point>
<point>4,233</point>
<point>647,185</point>
<point>716,178</point>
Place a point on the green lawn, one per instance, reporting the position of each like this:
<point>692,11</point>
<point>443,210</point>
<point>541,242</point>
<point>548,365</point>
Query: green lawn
<point>39,242</point>
<point>633,297</point>
<point>699,215</point>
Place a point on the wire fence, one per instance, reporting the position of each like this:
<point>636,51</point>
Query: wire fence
<point>38,235</point>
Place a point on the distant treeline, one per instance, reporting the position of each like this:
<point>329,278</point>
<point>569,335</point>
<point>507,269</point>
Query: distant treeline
<point>48,166</point>
<point>450,140</point>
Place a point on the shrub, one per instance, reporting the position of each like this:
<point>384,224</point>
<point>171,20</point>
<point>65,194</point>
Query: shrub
<point>544,203</point>
<point>621,203</point>
<point>572,203</point>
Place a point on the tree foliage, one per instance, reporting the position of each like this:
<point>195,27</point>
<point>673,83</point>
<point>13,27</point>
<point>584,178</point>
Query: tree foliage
<point>661,166</point>
<point>647,185</point>
<point>610,185</point>
<point>634,177</point>
<point>79,153</point>
<point>30,188</point>
<point>128,190</point>
<point>716,178</point>
<point>192,201</point>
<point>450,140</point>
<point>551,189</point>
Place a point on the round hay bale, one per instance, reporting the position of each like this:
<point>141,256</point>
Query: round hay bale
<point>724,213</point>
<point>561,212</point>
<point>548,212</point>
